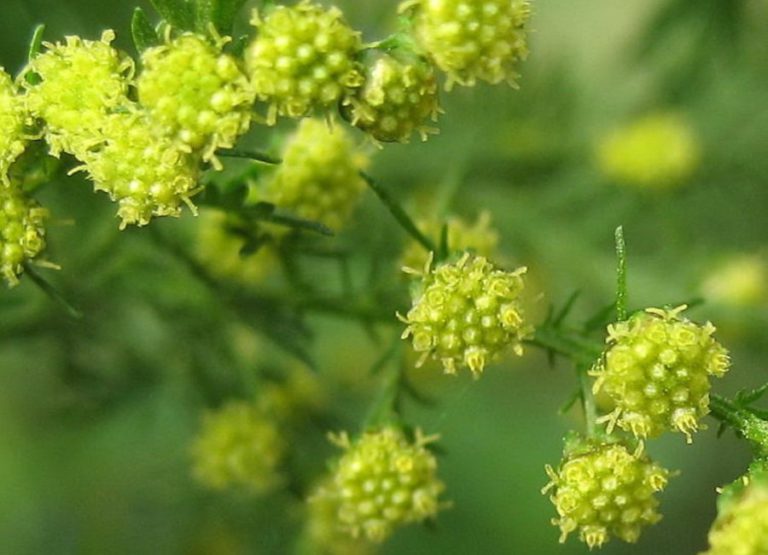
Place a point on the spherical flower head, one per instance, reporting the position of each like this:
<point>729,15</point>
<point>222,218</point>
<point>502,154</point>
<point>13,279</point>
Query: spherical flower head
<point>479,237</point>
<point>472,40</point>
<point>303,58</point>
<point>604,490</point>
<point>658,151</point>
<point>656,370</point>
<point>22,235</point>
<point>196,93</point>
<point>12,135</point>
<point>383,481</point>
<point>740,281</point>
<point>399,98</point>
<point>466,313</point>
<point>319,178</point>
<point>219,248</point>
<point>741,527</point>
<point>73,86</point>
<point>147,174</point>
<point>238,446</point>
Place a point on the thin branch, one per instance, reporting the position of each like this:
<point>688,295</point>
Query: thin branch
<point>255,155</point>
<point>621,275</point>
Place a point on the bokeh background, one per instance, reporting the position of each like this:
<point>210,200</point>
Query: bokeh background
<point>97,414</point>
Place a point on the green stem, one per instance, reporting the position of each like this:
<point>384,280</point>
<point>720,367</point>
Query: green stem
<point>580,351</point>
<point>255,155</point>
<point>52,292</point>
<point>621,275</point>
<point>398,213</point>
<point>752,428</point>
<point>587,401</point>
<point>386,407</point>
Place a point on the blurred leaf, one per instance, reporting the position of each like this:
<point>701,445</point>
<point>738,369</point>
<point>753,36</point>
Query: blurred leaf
<point>179,13</point>
<point>37,41</point>
<point>220,13</point>
<point>144,35</point>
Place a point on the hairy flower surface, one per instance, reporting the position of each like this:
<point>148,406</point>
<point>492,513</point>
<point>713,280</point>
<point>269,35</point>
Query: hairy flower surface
<point>196,93</point>
<point>480,238</point>
<point>604,490</point>
<point>219,247</point>
<point>741,527</point>
<point>238,446</point>
<point>654,152</point>
<point>77,84</point>
<point>22,235</point>
<point>319,177</point>
<point>382,481</point>
<point>12,139</point>
<point>466,313</point>
<point>147,174</point>
<point>303,58</point>
<point>656,370</point>
<point>472,40</point>
<point>399,98</point>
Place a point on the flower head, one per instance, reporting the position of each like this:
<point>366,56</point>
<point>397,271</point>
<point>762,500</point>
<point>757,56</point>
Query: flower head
<point>656,371</point>
<point>399,97</point>
<point>466,313</point>
<point>382,481</point>
<point>75,85</point>
<point>319,177</point>
<point>303,58</point>
<point>472,40</point>
<point>22,235</point>
<point>603,490</point>
<point>12,115</point>
<point>196,93</point>
<point>238,446</point>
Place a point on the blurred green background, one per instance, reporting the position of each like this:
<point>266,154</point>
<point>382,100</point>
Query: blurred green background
<point>96,415</point>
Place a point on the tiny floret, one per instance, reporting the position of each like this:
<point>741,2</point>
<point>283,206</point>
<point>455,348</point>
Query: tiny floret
<point>399,98</point>
<point>238,446</point>
<point>466,313</point>
<point>319,177</point>
<point>196,93</point>
<point>12,136</point>
<point>22,235</point>
<point>145,173</point>
<point>603,490</point>
<point>302,59</point>
<point>382,481</point>
<point>472,40</point>
<point>72,87</point>
<point>657,151</point>
<point>656,370</point>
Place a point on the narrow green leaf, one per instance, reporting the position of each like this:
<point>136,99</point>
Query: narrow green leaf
<point>37,41</point>
<point>179,13</point>
<point>621,275</point>
<point>220,13</point>
<point>144,35</point>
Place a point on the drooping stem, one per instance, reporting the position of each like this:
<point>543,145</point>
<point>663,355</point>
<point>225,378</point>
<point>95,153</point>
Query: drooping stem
<point>255,155</point>
<point>398,213</point>
<point>52,292</point>
<point>750,426</point>
<point>621,275</point>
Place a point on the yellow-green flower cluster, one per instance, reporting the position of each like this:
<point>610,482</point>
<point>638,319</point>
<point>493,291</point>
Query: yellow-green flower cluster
<point>479,237</point>
<point>72,87</point>
<point>303,58</point>
<point>741,527</point>
<point>238,446</point>
<point>654,152</point>
<point>219,248</point>
<point>604,490</point>
<point>383,481</point>
<point>195,93</point>
<point>472,40</point>
<point>398,98</point>
<point>466,313</point>
<point>319,178</point>
<point>22,235</point>
<point>12,136</point>
<point>145,173</point>
<point>656,371</point>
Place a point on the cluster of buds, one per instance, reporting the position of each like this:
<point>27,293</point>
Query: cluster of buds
<point>22,235</point>
<point>466,313</point>
<point>12,134</point>
<point>656,371</point>
<point>382,481</point>
<point>604,490</point>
